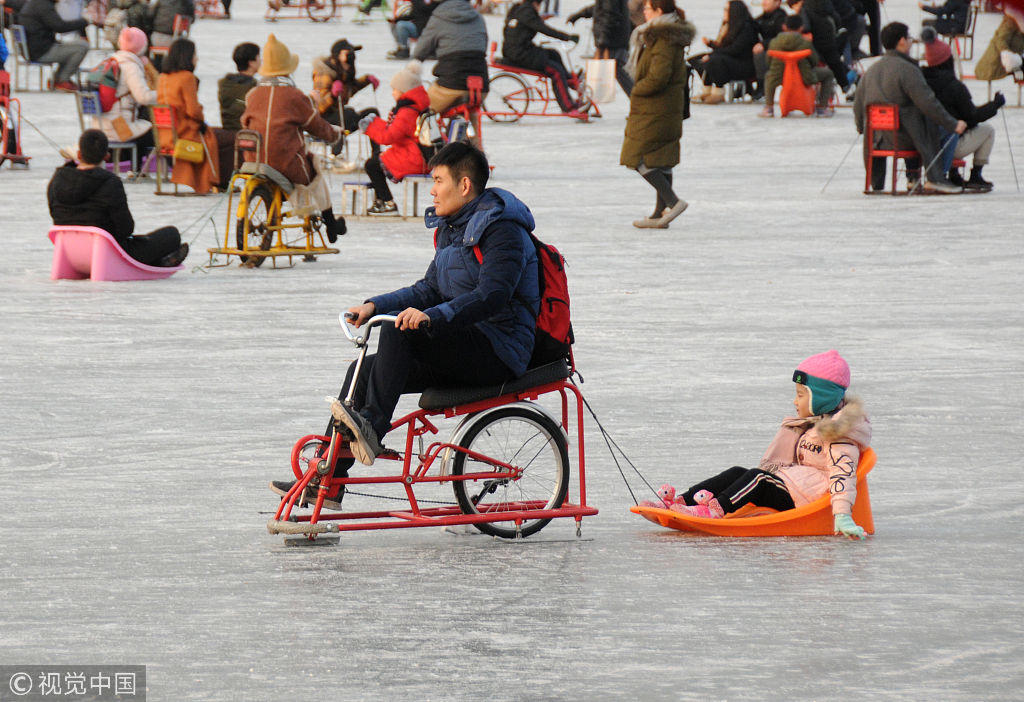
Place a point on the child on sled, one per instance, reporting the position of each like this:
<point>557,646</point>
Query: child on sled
<point>813,454</point>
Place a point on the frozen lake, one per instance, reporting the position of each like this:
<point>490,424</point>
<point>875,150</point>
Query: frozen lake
<point>143,421</point>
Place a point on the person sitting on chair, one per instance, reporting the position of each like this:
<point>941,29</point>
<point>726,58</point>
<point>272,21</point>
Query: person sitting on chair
<point>522,24</point>
<point>456,36</point>
<point>950,17</point>
<point>403,155</point>
<point>790,39</point>
<point>42,25</point>
<point>468,321</point>
<point>233,87</point>
<point>86,194</point>
<point>280,112</point>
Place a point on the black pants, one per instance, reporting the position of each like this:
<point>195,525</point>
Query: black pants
<point>412,362</point>
<point>375,172</point>
<point>559,77</point>
<point>737,486</point>
<point>150,248</point>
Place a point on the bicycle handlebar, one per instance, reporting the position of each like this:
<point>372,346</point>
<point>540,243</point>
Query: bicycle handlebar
<point>368,325</point>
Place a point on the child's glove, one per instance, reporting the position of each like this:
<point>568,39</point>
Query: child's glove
<point>845,525</point>
<point>336,88</point>
<point>365,122</point>
<point>373,80</point>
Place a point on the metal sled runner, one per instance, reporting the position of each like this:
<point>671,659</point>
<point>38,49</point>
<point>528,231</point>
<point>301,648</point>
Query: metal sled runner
<point>507,460</point>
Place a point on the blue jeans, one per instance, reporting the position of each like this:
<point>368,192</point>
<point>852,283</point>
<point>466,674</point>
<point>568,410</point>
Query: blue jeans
<point>403,31</point>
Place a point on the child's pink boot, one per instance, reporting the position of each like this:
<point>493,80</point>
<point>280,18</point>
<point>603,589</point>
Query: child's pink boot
<point>667,493</point>
<point>711,510</point>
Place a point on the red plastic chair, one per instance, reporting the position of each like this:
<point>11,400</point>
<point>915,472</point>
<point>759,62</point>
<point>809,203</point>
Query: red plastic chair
<point>794,95</point>
<point>884,118</point>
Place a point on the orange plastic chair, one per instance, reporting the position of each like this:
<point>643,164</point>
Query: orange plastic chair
<point>794,95</point>
<point>812,519</point>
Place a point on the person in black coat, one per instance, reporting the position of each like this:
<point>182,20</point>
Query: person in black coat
<point>522,24</point>
<point>979,138</point>
<point>732,54</point>
<point>818,18</point>
<point>86,194</point>
<point>42,25</point>
<point>409,26</point>
<point>950,17</point>
<point>769,24</point>
<point>612,28</point>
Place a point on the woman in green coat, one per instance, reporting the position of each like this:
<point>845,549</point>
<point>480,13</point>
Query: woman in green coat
<point>657,104</point>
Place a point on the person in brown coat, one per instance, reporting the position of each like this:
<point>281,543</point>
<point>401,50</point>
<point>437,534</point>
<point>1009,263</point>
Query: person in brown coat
<point>657,105</point>
<point>179,88</point>
<point>281,113</point>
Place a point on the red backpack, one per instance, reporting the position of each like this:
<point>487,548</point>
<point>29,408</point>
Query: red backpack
<point>554,337</point>
<point>103,79</point>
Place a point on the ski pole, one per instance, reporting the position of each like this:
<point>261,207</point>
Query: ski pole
<point>855,140</point>
<point>938,155</point>
<point>60,149</point>
<point>1009,145</point>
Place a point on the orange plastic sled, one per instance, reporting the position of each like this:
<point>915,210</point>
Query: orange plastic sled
<point>812,519</point>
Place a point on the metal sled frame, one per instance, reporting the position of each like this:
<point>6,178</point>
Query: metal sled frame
<point>416,468</point>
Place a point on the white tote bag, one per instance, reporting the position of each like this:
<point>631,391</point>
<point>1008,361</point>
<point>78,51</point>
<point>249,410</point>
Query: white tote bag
<point>601,79</point>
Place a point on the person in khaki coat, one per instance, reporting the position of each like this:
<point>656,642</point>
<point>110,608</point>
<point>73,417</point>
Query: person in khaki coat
<point>281,113</point>
<point>178,87</point>
<point>657,105</point>
<point>1006,47</point>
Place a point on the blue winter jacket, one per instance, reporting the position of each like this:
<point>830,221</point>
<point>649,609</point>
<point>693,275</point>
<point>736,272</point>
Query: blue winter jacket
<point>500,296</point>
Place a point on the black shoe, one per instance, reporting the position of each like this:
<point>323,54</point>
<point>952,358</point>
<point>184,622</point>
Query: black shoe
<point>399,54</point>
<point>335,228</point>
<point>309,495</point>
<point>976,182</point>
<point>174,258</point>
<point>365,445</point>
<point>955,177</point>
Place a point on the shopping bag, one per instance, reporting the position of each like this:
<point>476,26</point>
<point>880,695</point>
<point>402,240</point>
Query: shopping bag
<point>601,79</point>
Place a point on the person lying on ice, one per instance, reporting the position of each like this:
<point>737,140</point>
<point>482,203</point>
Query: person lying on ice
<point>466,322</point>
<point>813,454</point>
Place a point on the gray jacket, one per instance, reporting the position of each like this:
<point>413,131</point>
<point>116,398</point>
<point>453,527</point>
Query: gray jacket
<point>453,27</point>
<point>896,78</point>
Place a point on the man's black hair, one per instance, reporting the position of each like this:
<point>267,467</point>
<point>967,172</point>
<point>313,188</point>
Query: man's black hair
<point>892,33</point>
<point>179,57</point>
<point>794,23</point>
<point>244,54</point>
<point>93,145</point>
<point>463,160</point>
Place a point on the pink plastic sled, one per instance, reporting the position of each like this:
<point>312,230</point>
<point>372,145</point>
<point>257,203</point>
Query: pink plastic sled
<point>90,252</point>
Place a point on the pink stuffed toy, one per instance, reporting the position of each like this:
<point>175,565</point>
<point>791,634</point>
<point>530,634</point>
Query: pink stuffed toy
<point>667,493</point>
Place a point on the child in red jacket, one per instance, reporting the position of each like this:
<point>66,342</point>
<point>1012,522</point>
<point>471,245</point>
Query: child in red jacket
<point>403,155</point>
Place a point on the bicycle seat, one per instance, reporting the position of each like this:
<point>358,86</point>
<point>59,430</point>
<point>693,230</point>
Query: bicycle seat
<point>272,174</point>
<point>440,398</point>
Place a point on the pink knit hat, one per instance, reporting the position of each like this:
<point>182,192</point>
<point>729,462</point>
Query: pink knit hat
<point>132,39</point>
<point>827,366</point>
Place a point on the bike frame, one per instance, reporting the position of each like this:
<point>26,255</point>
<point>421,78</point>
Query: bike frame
<point>539,88</point>
<point>416,467</point>
<point>301,8</point>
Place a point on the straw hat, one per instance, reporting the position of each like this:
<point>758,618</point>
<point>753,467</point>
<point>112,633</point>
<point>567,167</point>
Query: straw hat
<point>277,59</point>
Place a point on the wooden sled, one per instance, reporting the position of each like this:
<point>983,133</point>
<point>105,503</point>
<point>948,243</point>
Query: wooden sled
<point>812,519</point>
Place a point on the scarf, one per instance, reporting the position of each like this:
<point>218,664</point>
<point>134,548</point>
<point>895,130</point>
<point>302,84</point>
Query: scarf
<point>636,40</point>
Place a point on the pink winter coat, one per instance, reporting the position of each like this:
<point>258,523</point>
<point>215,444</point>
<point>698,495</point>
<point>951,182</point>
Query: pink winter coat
<point>815,456</point>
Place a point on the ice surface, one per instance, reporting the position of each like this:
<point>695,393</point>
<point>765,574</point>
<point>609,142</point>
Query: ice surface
<point>143,420</point>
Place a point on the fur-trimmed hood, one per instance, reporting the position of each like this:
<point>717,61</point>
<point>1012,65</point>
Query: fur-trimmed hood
<point>324,66</point>
<point>849,421</point>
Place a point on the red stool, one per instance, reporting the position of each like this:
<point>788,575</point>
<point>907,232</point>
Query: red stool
<point>794,95</point>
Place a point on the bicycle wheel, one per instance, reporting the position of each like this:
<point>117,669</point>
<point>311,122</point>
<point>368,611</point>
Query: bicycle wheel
<point>509,96</point>
<point>258,213</point>
<point>528,440</point>
<point>320,10</point>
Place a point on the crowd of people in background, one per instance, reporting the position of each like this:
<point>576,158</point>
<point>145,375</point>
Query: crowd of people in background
<point>649,40</point>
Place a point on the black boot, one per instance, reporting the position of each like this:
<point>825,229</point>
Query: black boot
<point>976,182</point>
<point>174,258</point>
<point>955,178</point>
<point>334,227</point>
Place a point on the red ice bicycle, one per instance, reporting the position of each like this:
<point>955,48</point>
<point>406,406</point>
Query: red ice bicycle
<point>507,459</point>
<point>316,10</point>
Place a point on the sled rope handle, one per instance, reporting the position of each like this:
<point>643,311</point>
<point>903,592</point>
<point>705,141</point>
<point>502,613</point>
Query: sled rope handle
<point>610,443</point>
